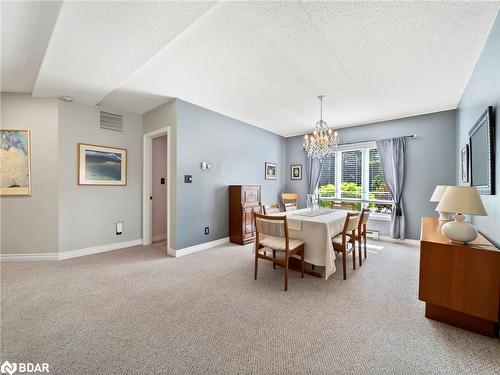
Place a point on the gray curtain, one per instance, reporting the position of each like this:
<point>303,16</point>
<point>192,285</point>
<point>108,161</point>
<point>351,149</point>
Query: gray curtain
<point>314,167</point>
<point>392,160</point>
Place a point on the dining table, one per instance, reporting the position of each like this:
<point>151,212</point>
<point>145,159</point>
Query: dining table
<point>316,228</point>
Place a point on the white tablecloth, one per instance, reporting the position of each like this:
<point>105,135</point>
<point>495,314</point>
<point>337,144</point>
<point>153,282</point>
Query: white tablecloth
<point>316,232</point>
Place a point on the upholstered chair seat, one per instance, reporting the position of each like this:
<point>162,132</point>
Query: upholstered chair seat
<point>338,240</point>
<point>279,243</point>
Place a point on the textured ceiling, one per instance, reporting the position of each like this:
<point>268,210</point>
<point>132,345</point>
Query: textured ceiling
<point>265,62</point>
<point>96,45</point>
<point>25,29</point>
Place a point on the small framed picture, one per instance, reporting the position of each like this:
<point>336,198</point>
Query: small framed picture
<point>102,165</point>
<point>296,172</point>
<point>271,171</point>
<point>465,163</point>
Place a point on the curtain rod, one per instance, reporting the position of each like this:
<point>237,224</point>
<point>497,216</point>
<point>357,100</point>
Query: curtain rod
<point>374,140</point>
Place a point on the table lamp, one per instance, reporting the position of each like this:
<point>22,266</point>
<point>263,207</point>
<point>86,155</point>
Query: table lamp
<point>436,197</point>
<point>461,200</point>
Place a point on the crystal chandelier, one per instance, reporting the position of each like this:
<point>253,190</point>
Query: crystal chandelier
<point>323,141</point>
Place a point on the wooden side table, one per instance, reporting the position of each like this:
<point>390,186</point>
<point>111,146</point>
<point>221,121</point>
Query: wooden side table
<point>460,284</point>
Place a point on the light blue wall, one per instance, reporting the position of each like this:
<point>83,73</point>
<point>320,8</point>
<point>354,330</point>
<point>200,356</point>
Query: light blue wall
<point>237,152</point>
<point>483,90</point>
<point>430,159</point>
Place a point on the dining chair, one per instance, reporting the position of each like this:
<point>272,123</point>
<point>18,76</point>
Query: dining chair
<point>360,234</point>
<point>345,243</point>
<point>290,207</point>
<point>342,205</point>
<point>292,198</point>
<point>271,209</point>
<point>271,233</point>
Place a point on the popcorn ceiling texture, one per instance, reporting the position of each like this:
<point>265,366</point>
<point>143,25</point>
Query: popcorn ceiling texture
<point>259,62</point>
<point>264,63</point>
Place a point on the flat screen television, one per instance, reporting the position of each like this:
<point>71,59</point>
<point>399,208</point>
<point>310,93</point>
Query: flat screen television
<point>482,153</point>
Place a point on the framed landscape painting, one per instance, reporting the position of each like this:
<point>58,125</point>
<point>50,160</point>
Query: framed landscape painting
<point>15,162</point>
<point>271,171</point>
<point>101,165</point>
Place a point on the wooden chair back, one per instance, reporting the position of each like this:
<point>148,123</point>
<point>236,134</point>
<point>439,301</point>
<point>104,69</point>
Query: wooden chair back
<point>274,226</point>
<point>348,237</point>
<point>341,205</point>
<point>290,207</point>
<point>363,218</point>
<point>350,224</point>
<point>292,198</point>
<point>361,235</point>
<point>271,209</point>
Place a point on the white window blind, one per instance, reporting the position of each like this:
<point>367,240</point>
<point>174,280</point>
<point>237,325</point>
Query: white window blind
<point>377,188</point>
<point>328,172</point>
<point>352,174</point>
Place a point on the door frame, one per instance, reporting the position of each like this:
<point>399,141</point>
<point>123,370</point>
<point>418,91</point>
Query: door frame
<point>147,212</point>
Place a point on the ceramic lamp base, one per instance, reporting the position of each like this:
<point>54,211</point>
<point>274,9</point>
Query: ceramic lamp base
<point>444,216</point>
<point>459,230</point>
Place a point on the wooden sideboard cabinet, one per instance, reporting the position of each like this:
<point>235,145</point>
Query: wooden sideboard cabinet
<point>460,284</point>
<point>243,201</point>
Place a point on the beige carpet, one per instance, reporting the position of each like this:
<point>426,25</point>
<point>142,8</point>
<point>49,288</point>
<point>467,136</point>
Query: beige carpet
<point>136,311</point>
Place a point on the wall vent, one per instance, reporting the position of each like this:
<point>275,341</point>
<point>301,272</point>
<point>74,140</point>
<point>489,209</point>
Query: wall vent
<point>111,121</point>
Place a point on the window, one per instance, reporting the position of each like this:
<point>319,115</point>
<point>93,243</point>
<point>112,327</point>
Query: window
<point>328,172</point>
<point>376,186</point>
<point>327,181</point>
<point>359,175</point>
<point>352,174</point>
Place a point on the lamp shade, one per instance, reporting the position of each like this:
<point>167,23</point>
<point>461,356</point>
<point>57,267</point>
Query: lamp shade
<point>438,193</point>
<point>462,199</point>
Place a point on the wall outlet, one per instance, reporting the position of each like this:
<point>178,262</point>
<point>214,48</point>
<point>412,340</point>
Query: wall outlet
<point>119,228</point>
<point>207,230</point>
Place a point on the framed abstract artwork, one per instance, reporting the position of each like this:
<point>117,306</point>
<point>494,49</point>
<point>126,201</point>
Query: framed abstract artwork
<point>15,162</point>
<point>102,165</point>
<point>465,163</point>
<point>271,171</point>
<point>296,172</point>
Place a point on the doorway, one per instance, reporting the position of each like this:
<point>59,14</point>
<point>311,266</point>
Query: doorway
<point>156,189</point>
<point>159,190</point>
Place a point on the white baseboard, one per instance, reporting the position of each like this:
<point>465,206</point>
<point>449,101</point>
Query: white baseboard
<point>98,249</point>
<point>395,240</point>
<point>196,248</point>
<point>28,257</point>
<point>71,253</point>
<point>159,237</point>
